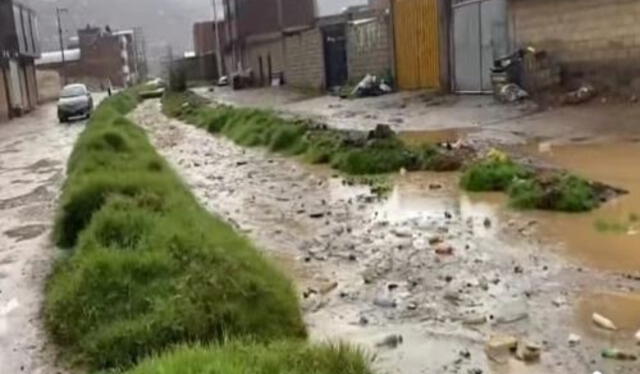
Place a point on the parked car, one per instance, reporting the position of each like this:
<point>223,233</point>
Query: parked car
<point>75,101</point>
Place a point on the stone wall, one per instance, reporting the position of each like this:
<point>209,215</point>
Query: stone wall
<point>369,47</point>
<point>593,40</point>
<point>305,60</point>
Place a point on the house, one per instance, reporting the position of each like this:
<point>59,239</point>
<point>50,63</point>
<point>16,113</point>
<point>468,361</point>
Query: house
<point>19,47</point>
<point>256,31</point>
<point>101,57</point>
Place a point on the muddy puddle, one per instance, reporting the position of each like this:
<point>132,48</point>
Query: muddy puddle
<point>607,238</point>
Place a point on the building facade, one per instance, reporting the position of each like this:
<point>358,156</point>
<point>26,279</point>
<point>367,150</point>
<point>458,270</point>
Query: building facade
<point>19,47</point>
<point>101,57</point>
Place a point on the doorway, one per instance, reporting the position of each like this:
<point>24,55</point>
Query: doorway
<point>335,55</point>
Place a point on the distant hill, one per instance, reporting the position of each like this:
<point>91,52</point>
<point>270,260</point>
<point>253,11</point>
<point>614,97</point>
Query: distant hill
<point>164,22</point>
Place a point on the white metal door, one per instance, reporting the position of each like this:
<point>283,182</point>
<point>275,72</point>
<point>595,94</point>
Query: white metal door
<point>480,36</point>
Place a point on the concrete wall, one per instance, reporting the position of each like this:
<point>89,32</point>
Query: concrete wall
<point>594,40</point>
<point>369,48</point>
<point>32,84</point>
<point>257,50</point>
<point>4,100</point>
<point>305,60</point>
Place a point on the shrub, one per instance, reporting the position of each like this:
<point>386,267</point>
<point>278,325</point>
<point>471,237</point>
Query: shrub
<point>242,358</point>
<point>566,193</point>
<point>149,267</point>
<point>492,175</point>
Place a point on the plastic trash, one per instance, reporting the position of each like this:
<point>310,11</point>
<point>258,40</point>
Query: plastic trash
<point>603,322</point>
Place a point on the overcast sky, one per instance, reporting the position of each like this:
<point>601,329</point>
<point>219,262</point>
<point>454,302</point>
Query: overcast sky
<point>334,6</point>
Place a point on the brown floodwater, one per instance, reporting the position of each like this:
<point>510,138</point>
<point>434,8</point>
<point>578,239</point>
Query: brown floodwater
<point>622,309</point>
<point>434,137</point>
<point>607,238</point>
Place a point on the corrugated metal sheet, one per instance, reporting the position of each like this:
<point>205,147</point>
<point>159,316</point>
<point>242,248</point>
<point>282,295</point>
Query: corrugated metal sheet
<point>417,42</point>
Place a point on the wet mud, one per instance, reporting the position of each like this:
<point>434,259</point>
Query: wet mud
<point>33,152</point>
<point>445,269</point>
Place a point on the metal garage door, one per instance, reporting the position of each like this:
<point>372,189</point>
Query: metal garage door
<point>480,36</point>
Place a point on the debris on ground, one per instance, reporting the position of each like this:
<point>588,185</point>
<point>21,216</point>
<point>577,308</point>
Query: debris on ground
<point>391,341</point>
<point>512,93</point>
<point>371,85</point>
<point>500,347</point>
<point>528,352</point>
<point>444,250</point>
<point>574,339</point>
<point>603,322</point>
<point>616,354</point>
<point>583,94</point>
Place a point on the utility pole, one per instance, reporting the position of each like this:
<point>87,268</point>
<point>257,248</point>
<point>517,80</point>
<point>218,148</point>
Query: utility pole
<point>64,64</point>
<point>217,32</point>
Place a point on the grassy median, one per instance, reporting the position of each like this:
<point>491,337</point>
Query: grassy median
<point>147,267</point>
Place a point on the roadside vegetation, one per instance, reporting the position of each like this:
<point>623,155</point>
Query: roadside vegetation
<point>243,358</point>
<point>529,188</point>
<point>352,152</point>
<point>147,268</point>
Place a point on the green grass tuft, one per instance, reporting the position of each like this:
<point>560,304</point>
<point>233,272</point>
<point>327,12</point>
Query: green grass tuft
<point>492,175</point>
<point>243,358</point>
<point>149,268</point>
<point>565,192</point>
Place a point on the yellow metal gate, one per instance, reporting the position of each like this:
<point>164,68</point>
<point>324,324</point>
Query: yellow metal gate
<point>417,44</point>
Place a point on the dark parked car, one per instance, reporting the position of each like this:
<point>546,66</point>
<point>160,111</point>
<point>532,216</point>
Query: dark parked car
<point>75,101</point>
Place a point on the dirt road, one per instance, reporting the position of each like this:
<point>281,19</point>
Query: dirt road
<point>367,269</point>
<point>33,154</point>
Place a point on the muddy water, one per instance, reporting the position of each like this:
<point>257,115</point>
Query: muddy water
<point>615,248</point>
<point>366,269</point>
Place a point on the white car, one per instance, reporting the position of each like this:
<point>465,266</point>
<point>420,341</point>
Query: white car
<point>75,101</point>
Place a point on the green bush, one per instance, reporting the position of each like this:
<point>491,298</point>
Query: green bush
<point>149,268</point>
<point>492,175</point>
<point>566,193</point>
<point>375,158</point>
<point>245,358</point>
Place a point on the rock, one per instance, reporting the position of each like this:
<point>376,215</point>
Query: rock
<point>363,320</point>
<point>317,215</point>
<point>452,297</point>
<point>518,269</point>
<point>381,131</point>
<point>435,186</point>
<point>444,250</point>
<point>402,233</point>
<point>412,306</point>
<point>465,354</point>
<point>558,302</point>
<point>391,341</point>
<point>328,288</point>
<point>435,240</point>
<point>487,222</point>
<point>637,337</point>
<point>574,340</point>
<point>500,346</point>
<point>474,371</point>
<point>384,302</point>
<point>603,322</point>
<point>528,352</point>
<point>448,215</point>
<point>474,320</point>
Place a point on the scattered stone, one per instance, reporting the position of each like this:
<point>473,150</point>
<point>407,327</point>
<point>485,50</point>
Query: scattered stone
<point>558,302</point>
<point>241,163</point>
<point>474,371</point>
<point>603,322</point>
<point>412,306</point>
<point>444,250</point>
<point>487,222</point>
<point>435,240</point>
<point>500,346</point>
<point>616,354</point>
<point>574,340</point>
<point>316,215</point>
<point>363,321</point>
<point>435,186</point>
<point>384,302</point>
<point>402,233</point>
<point>452,297</point>
<point>518,269</point>
<point>448,215</point>
<point>465,354</point>
<point>328,288</point>
<point>528,352</point>
<point>391,341</point>
<point>474,320</point>
<point>352,257</point>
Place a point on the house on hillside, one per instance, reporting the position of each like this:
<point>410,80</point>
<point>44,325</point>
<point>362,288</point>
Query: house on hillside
<point>19,47</point>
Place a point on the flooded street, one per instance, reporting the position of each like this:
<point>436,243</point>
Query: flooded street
<point>444,269</point>
<point>33,154</point>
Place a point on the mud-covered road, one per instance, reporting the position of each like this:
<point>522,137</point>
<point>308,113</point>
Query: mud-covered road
<point>33,154</point>
<point>443,269</point>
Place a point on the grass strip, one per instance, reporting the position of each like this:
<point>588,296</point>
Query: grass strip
<point>148,268</point>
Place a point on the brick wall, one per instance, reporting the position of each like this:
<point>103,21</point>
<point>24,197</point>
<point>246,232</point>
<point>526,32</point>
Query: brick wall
<point>305,59</point>
<point>593,40</point>
<point>4,100</point>
<point>369,48</point>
